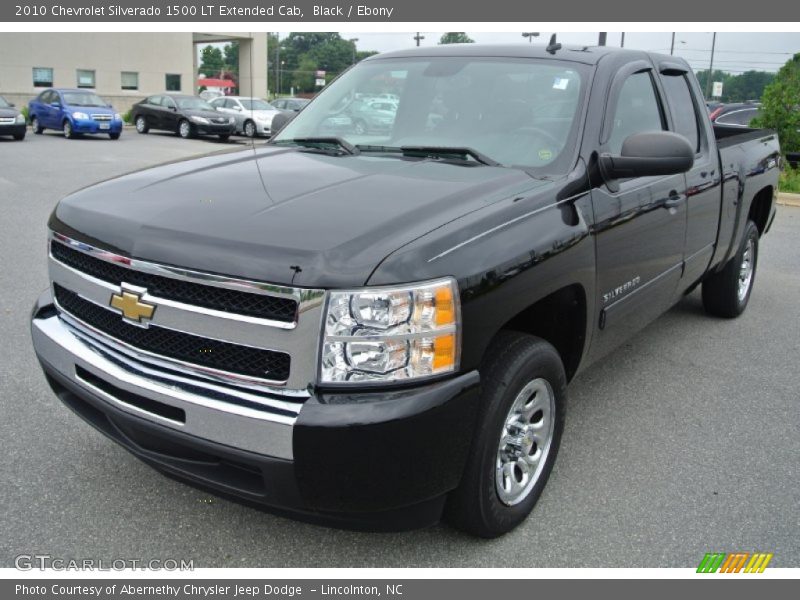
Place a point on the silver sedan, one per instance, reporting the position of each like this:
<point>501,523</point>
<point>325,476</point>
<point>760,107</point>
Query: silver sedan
<point>253,115</point>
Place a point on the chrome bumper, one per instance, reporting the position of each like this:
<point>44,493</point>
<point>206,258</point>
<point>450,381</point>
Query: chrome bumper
<point>258,423</point>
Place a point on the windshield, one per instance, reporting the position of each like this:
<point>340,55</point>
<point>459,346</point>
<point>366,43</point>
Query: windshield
<point>192,103</point>
<point>83,99</point>
<point>517,112</point>
<point>3,103</point>
<point>256,104</point>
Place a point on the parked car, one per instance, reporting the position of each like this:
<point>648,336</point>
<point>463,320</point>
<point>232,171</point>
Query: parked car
<point>380,330</point>
<point>370,117</point>
<point>253,115</point>
<point>738,114</point>
<point>290,104</point>
<point>209,95</point>
<point>75,112</point>
<point>12,122</point>
<point>187,116</point>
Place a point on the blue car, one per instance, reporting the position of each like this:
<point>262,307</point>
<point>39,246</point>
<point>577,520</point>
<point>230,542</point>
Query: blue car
<point>74,112</point>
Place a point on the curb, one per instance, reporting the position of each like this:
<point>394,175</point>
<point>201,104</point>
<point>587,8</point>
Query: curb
<point>787,199</point>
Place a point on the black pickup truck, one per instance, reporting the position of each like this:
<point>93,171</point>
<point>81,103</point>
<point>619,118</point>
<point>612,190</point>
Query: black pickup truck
<point>377,329</point>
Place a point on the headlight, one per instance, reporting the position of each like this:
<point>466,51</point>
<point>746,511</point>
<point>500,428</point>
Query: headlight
<point>117,117</point>
<point>386,334</point>
<point>202,120</point>
<point>80,115</point>
<point>20,118</point>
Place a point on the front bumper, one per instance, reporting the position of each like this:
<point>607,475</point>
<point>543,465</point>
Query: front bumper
<point>380,460</point>
<point>214,128</point>
<point>13,129</point>
<point>92,126</point>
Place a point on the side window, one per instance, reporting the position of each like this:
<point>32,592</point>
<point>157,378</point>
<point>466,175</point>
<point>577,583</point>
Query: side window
<point>230,103</point>
<point>154,101</point>
<point>46,97</point>
<point>684,114</point>
<point>637,110</point>
<point>279,104</point>
<point>167,102</point>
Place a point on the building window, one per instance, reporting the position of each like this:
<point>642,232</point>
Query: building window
<point>130,80</point>
<point>42,77</point>
<point>85,78</point>
<point>173,82</point>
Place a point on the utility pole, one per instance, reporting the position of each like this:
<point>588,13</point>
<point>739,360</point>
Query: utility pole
<point>278,63</point>
<point>353,41</point>
<point>622,41</point>
<point>530,35</point>
<point>672,46</point>
<point>602,39</point>
<point>711,65</point>
<point>419,37</point>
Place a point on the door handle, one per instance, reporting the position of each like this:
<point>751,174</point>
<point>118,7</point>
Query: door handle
<point>673,200</point>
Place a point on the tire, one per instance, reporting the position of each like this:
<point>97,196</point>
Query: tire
<point>727,292</point>
<point>114,136</point>
<point>185,129</point>
<point>69,132</point>
<point>36,126</point>
<point>224,137</point>
<point>141,124</point>
<point>250,129</point>
<point>521,369</point>
<point>19,136</point>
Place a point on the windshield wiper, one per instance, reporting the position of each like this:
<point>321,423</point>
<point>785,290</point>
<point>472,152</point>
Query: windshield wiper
<point>447,151</point>
<point>315,142</point>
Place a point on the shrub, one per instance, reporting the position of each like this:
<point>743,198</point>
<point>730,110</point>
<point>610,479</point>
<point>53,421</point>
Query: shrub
<point>781,105</point>
<point>790,180</point>
<point>24,111</point>
<point>127,117</point>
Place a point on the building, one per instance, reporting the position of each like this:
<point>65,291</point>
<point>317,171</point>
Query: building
<point>123,68</point>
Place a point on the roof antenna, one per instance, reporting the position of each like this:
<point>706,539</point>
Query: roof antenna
<point>553,45</point>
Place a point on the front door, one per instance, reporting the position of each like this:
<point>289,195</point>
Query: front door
<point>640,223</point>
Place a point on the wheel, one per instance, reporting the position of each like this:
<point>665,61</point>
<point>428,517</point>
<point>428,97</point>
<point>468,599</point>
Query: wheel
<point>114,136</point>
<point>360,127</point>
<point>69,133</point>
<point>250,129</point>
<point>19,136</point>
<point>523,402</point>
<point>36,126</point>
<point>141,124</point>
<point>726,293</point>
<point>224,137</point>
<point>185,129</point>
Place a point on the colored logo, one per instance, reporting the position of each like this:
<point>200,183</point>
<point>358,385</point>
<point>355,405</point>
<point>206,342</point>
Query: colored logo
<point>735,562</point>
<point>132,307</point>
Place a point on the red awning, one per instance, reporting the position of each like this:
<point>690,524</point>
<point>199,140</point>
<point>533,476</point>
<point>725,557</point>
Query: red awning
<point>218,83</point>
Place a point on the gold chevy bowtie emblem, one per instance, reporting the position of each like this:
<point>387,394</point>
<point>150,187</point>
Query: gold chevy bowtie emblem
<point>132,307</point>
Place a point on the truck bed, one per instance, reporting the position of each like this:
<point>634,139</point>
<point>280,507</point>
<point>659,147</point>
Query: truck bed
<point>731,135</point>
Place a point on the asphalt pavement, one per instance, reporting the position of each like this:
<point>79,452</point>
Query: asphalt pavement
<point>684,441</point>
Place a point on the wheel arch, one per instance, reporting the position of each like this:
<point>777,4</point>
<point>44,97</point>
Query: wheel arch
<point>559,318</point>
<point>760,208</point>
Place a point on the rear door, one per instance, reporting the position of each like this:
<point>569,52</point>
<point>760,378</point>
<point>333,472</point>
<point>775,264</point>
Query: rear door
<point>703,181</point>
<point>49,117</point>
<point>640,223</point>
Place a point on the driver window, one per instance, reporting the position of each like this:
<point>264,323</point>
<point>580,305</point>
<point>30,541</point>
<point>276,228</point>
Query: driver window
<point>637,110</point>
<point>167,102</point>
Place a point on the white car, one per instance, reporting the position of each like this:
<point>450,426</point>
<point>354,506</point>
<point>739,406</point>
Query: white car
<point>253,115</point>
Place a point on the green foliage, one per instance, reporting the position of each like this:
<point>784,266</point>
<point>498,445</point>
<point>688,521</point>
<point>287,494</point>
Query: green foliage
<point>231,56</point>
<point>738,88</point>
<point>301,54</point>
<point>211,61</point>
<point>456,37</point>
<point>24,111</point>
<point>781,106</point>
<point>127,117</point>
<point>790,180</point>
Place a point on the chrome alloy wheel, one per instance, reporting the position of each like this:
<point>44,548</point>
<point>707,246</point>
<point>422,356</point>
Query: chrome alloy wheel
<point>746,270</point>
<point>525,442</point>
<point>185,129</point>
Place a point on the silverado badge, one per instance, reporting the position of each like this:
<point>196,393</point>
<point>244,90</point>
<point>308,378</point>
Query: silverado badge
<point>132,307</point>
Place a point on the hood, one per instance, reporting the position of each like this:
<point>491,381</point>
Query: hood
<point>8,112</point>
<point>313,220</point>
<point>208,114</point>
<point>263,114</point>
<point>94,110</point>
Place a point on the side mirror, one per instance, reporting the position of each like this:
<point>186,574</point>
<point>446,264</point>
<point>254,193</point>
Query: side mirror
<point>648,154</point>
<point>238,108</point>
<point>280,121</point>
<point>11,104</point>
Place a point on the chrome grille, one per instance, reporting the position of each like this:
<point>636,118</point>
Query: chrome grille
<point>7,120</point>
<point>101,117</point>
<point>249,335</point>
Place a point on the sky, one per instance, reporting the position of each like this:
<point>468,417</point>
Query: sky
<point>765,51</point>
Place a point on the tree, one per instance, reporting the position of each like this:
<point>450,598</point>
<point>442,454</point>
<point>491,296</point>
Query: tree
<point>737,88</point>
<point>211,61</point>
<point>231,56</point>
<point>781,105</point>
<point>456,37</point>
